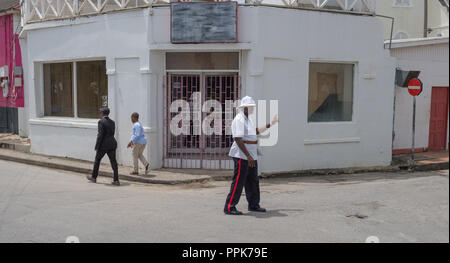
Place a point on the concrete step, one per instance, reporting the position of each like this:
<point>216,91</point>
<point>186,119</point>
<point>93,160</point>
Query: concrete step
<point>15,146</point>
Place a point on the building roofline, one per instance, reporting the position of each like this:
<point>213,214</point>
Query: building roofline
<point>8,6</point>
<point>166,5</point>
<point>414,42</point>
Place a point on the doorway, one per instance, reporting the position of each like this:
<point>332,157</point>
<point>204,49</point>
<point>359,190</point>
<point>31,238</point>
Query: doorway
<point>193,148</point>
<point>202,83</point>
<point>437,139</point>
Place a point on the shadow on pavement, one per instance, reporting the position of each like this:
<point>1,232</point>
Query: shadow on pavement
<point>122,184</point>
<point>273,213</point>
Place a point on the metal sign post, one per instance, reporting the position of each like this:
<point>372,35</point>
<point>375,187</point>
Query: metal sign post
<point>413,131</point>
<point>415,87</point>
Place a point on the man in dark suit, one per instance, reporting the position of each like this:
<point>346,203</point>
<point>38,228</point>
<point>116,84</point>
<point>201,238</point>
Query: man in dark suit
<point>106,144</point>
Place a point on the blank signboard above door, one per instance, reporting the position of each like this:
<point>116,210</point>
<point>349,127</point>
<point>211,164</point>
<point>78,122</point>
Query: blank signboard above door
<point>203,22</point>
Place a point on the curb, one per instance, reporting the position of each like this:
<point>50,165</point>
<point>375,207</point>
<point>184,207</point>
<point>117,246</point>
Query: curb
<point>293,174</point>
<point>432,167</point>
<point>87,171</point>
<point>377,169</point>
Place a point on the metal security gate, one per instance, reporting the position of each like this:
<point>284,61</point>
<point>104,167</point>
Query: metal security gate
<point>192,147</point>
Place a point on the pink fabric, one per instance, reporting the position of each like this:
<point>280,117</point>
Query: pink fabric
<point>7,38</point>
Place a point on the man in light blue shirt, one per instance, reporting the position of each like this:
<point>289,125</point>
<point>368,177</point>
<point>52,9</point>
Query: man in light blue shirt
<point>138,142</point>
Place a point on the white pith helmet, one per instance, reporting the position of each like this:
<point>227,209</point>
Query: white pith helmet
<point>247,101</point>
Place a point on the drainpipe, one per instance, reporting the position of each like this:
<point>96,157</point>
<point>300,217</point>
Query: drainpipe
<point>392,27</point>
<point>395,95</point>
<point>393,114</point>
<point>425,19</point>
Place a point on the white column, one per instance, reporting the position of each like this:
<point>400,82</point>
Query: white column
<point>112,98</point>
<point>150,83</point>
<point>255,61</point>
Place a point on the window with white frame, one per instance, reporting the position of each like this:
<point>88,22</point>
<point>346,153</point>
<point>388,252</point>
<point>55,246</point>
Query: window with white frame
<point>330,92</point>
<point>402,3</point>
<point>84,81</point>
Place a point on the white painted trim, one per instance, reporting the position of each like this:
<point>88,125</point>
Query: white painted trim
<point>369,76</point>
<point>65,122</point>
<point>82,123</point>
<point>331,141</point>
<point>255,73</point>
<point>146,71</point>
<point>413,42</point>
<point>70,60</point>
<point>201,71</point>
<point>224,47</point>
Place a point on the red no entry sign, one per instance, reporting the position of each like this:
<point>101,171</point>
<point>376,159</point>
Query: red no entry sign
<point>415,87</point>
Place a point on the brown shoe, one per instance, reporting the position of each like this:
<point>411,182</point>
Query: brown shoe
<point>92,179</point>
<point>116,183</point>
<point>147,168</point>
<point>134,173</point>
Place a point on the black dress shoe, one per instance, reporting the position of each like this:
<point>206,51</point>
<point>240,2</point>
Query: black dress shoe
<point>257,209</point>
<point>116,183</point>
<point>233,212</point>
<point>92,179</point>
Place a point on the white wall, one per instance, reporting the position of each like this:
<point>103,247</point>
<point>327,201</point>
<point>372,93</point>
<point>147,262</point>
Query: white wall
<point>276,46</point>
<point>291,39</point>
<point>122,45</point>
<point>432,61</point>
<point>22,112</point>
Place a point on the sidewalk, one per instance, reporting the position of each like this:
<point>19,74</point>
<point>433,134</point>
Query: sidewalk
<point>160,176</point>
<point>424,161</point>
<point>17,149</point>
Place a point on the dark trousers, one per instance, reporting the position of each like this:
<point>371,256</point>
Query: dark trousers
<point>244,176</point>
<point>112,159</point>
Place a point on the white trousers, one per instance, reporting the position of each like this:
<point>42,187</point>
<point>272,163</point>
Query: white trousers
<point>138,149</point>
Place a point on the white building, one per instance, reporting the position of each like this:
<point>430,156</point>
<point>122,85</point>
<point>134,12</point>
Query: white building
<point>412,16</point>
<point>327,68</point>
<point>429,56</point>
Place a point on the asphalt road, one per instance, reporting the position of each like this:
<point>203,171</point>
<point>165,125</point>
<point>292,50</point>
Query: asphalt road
<point>45,205</point>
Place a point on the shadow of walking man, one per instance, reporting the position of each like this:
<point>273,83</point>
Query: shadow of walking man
<point>274,213</point>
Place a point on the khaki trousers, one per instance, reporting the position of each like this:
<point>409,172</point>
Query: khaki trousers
<point>138,149</point>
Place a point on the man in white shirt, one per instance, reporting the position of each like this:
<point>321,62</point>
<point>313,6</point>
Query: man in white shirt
<point>245,156</point>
